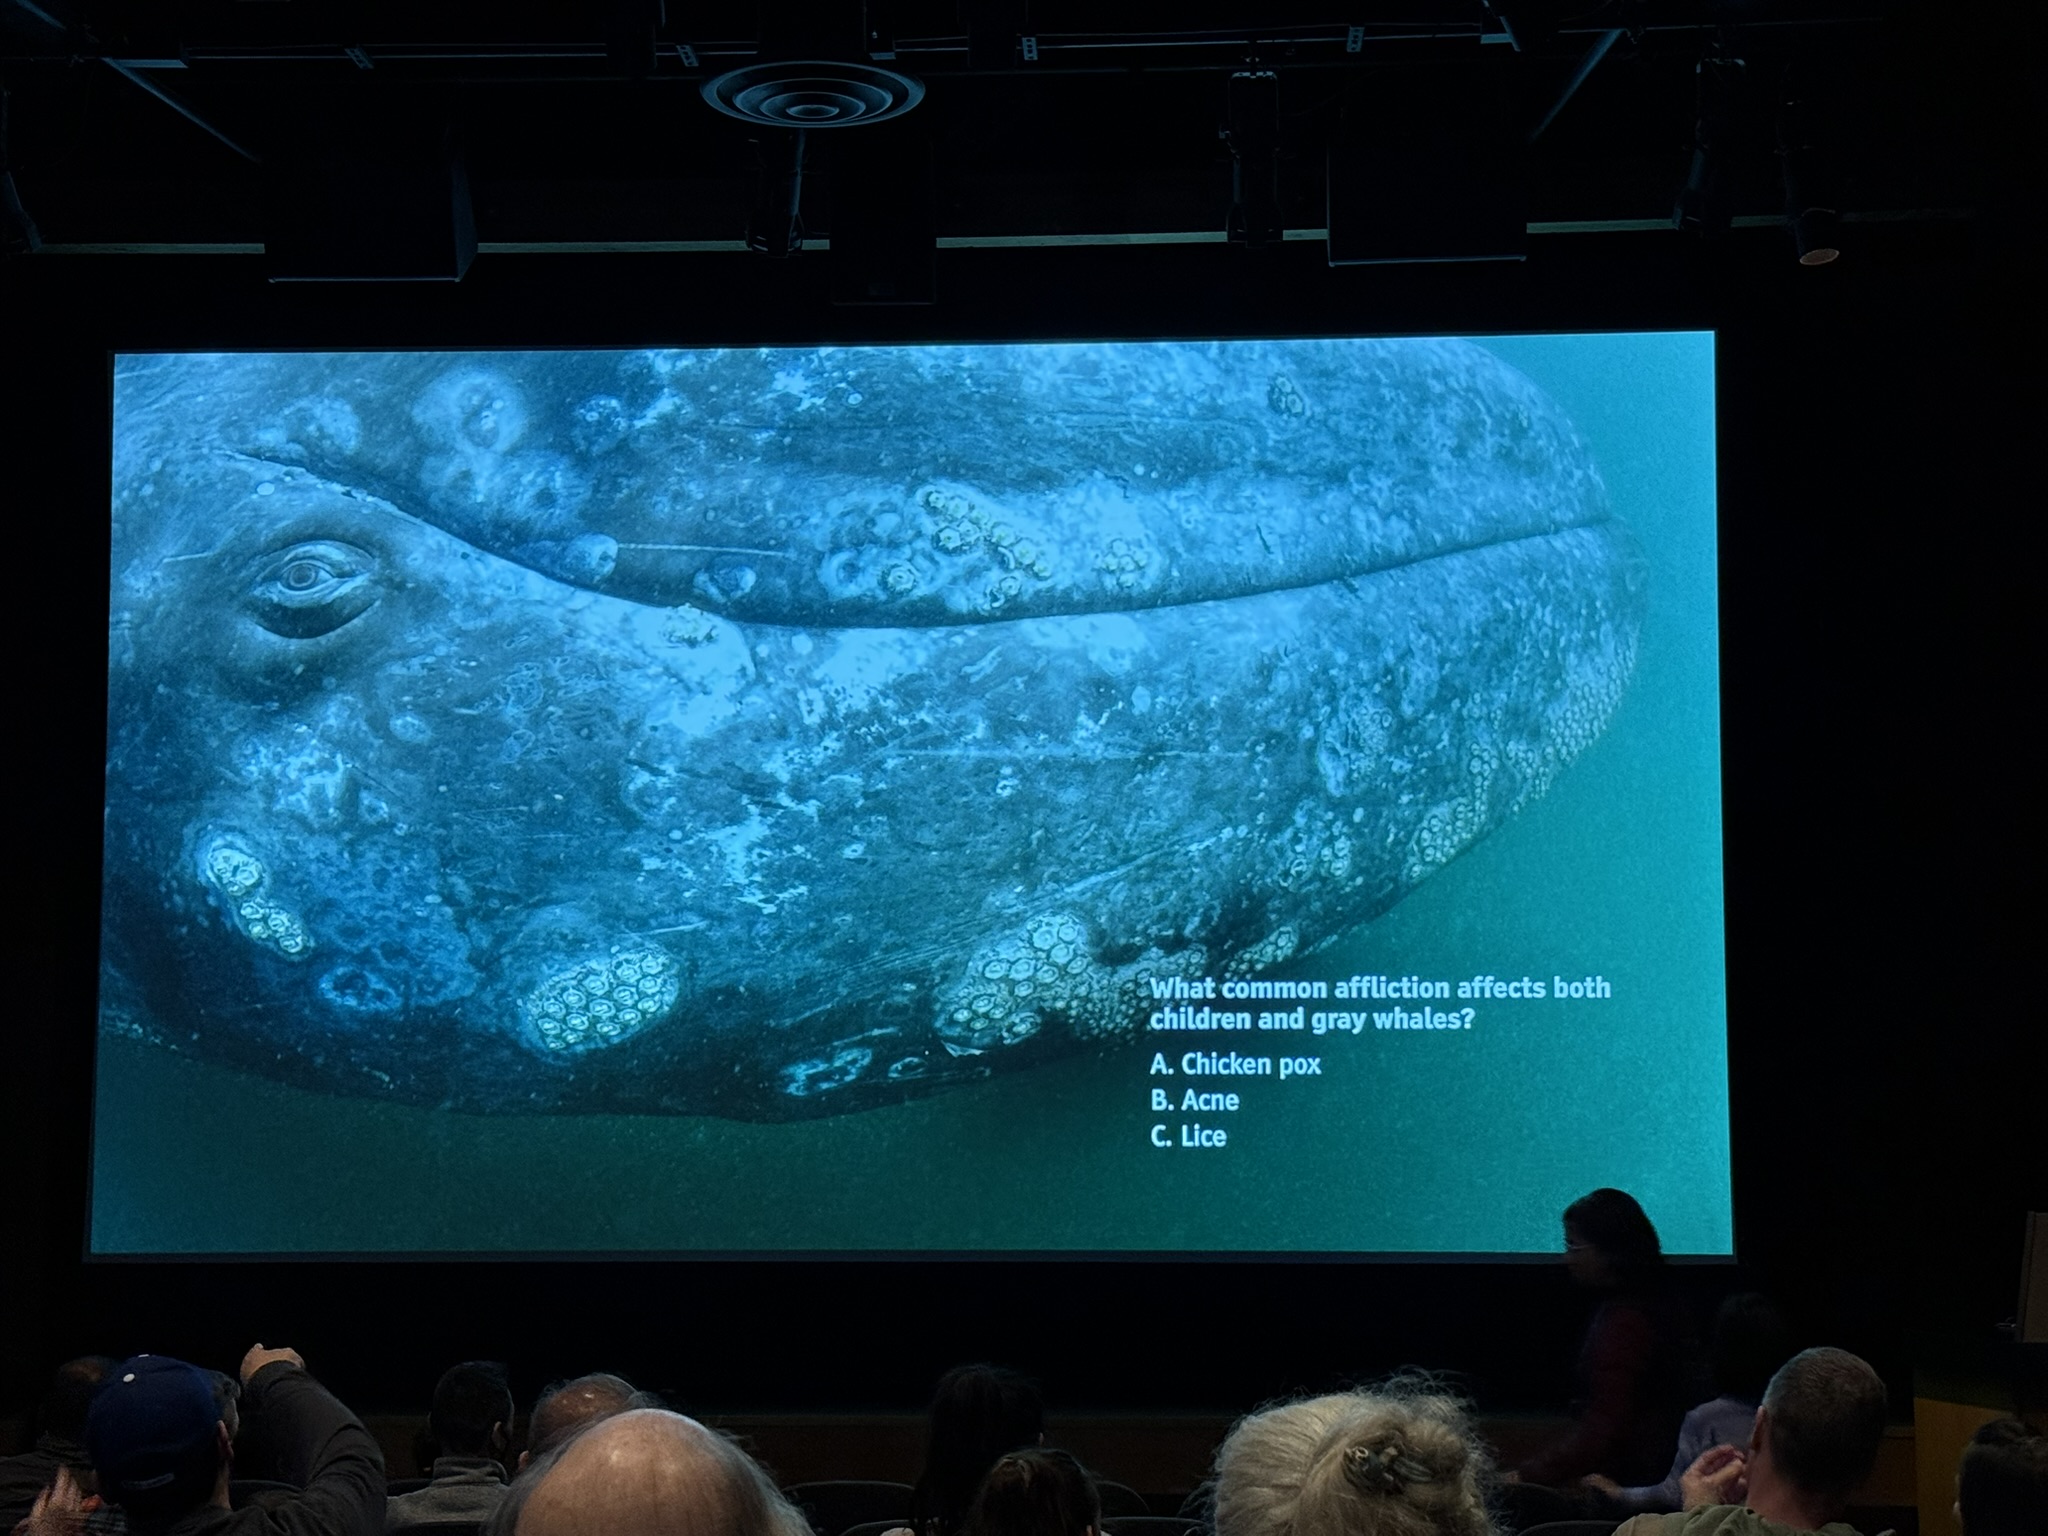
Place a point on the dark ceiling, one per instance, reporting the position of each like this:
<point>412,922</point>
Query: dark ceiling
<point>151,122</point>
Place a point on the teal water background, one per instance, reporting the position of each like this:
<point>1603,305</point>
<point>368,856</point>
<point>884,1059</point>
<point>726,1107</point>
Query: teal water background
<point>1440,1142</point>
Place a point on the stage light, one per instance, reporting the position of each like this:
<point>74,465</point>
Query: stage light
<point>1701,207</point>
<point>1253,135</point>
<point>775,224</point>
<point>1813,235</point>
<point>18,233</point>
<point>1812,218</point>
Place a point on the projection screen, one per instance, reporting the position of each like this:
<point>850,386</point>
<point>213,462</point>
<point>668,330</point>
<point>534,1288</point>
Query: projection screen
<point>1228,797</point>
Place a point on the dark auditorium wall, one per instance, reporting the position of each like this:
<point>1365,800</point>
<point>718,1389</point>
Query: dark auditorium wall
<point>1878,627</point>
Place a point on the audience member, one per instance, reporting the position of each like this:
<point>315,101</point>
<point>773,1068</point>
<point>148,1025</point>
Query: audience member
<point>162,1450</point>
<point>1036,1492</point>
<point>471,1424</point>
<point>1751,1340</point>
<point>647,1472</point>
<point>566,1407</point>
<point>1637,1371</point>
<point>1398,1460</point>
<point>1814,1440</point>
<point>978,1413</point>
<point>61,1442</point>
<point>2002,1484</point>
<point>155,1445</point>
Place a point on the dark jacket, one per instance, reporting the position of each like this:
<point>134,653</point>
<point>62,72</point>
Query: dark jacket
<point>1637,1375</point>
<point>317,1444</point>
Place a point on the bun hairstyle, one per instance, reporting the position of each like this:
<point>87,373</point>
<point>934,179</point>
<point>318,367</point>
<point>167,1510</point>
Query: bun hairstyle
<point>1036,1492</point>
<point>1398,1460</point>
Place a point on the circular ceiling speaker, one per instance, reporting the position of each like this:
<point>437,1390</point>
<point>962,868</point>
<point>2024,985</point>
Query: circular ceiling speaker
<point>813,93</point>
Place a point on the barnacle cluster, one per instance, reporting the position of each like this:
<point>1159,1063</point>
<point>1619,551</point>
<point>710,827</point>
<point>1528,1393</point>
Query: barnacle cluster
<point>1593,691</point>
<point>1275,947</point>
<point>686,624</point>
<point>1120,564</point>
<point>601,1002</point>
<point>1453,826</point>
<point>963,528</point>
<point>1591,697</point>
<point>241,878</point>
<point>1013,982</point>
<point>960,526</point>
<point>1285,398</point>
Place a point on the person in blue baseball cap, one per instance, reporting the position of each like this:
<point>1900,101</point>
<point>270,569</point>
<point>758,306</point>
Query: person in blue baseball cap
<point>162,1446</point>
<point>156,1438</point>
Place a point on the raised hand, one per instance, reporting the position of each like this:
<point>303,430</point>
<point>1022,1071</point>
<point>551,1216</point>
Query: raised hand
<point>258,1357</point>
<point>1719,1475</point>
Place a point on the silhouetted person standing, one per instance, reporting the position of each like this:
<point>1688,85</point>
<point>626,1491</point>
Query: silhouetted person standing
<point>1637,1370</point>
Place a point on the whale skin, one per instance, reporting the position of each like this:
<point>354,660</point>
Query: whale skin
<point>784,732</point>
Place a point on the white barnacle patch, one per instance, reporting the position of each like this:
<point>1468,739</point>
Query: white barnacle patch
<point>240,879</point>
<point>1122,564</point>
<point>1275,947</point>
<point>601,1002</point>
<point>686,624</point>
<point>820,1074</point>
<point>798,386</point>
<point>1013,983</point>
<point>234,870</point>
<point>274,927</point>
<point>991,554</point>
<point>1448,829</point>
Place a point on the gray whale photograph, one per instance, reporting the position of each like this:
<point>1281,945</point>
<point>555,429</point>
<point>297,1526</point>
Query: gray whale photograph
<point>776,733</point>
<point>764,795</point>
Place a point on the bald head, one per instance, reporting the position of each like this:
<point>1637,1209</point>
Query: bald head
<point>654,1473</point>
<point>569,1406</point>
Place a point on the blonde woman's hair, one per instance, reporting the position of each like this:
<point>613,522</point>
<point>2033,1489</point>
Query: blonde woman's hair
<point>1396,1460</point>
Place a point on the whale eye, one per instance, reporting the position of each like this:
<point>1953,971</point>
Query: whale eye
<point>312,589</point>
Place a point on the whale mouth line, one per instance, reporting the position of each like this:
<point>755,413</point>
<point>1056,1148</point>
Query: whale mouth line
<point>1123,603</point>
<point>822,614</point>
